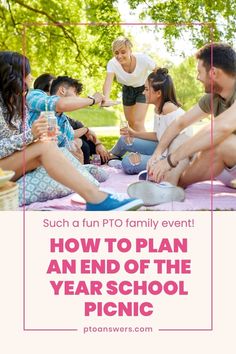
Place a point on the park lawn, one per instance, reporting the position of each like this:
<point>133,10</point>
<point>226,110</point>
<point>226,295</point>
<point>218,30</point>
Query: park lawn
<point>108,118</point>
<point>108,138</point>
<point>104,117</point>
<point>96,117</point>
<point>108,141</point>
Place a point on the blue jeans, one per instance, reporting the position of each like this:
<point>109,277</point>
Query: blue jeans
<point>143,149</point>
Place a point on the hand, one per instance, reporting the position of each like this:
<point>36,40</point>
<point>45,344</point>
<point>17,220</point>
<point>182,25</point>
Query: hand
<point>127,131</point>
<point>152,161</point>
<point>102,151</point>
<point>98,97</point>
<point>90,135</point>
<point>157,171</point>
<point>39,128</point>
<point>109,103</point>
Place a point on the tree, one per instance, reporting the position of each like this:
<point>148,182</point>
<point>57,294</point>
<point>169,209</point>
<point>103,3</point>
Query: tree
<point>188,89</point>
<point>56,42</point>
<point>220,15</point>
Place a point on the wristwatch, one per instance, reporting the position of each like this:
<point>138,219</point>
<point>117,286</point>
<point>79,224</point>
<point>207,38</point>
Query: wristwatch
<point>92,98</point>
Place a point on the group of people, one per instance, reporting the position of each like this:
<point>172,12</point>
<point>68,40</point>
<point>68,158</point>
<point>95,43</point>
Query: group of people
<point>170,156</point>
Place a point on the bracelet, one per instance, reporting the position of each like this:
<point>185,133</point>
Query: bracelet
<point>162,157</point>
<point>170,162</point>
<point>92,98</point>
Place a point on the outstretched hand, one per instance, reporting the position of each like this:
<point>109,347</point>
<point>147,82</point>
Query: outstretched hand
<point>109,103</point>
<point>98,97</point>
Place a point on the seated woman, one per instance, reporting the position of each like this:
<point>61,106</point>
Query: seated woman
<point>160,91</point>
<point>19,143</point>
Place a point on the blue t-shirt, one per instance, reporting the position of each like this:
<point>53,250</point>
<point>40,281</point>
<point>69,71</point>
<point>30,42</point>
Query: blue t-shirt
<point>38,101</point>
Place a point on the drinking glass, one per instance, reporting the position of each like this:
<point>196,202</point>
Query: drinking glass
<point>124,124</point>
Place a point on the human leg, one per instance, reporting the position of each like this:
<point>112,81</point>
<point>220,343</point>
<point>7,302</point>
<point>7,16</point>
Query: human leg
<point>57,166</point>
<point>133,145</point>
<point>86,151</point>
<point>134,163</point>
<point>140,152</point>
<point>223,155</point>
<point>76,150</point>
<point>135,115</point>
<point>60,168</point>
<point>135,107</point>
<point>129,112</point>
<point>139,116</point>
<point>166,191</point>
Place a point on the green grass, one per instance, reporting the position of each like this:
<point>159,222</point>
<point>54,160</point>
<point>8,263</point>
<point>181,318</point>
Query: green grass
<point>110,117</point>
<point>108,141</point>
<point>96,117</point>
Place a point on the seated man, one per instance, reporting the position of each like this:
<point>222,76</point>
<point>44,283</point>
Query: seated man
<point>219,162</point>
<point>65,86</point>
<point>217,72</point>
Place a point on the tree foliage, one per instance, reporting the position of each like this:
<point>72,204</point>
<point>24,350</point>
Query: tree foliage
<point>219,14</point>
<point>62,37</point>
<point>188,89</point>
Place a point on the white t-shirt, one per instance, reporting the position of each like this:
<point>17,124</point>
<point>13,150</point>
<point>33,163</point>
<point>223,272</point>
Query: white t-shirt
<point>162,121</point>
<point>144,65</point>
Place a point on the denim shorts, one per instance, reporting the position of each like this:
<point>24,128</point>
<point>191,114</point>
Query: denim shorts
<point>131,95</point>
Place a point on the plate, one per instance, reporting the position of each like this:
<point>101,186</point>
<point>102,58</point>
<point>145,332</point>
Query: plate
<point>78,199</point>
<point>7,175</point>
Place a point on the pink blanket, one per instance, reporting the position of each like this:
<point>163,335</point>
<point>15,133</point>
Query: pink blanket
<point>197,196</point>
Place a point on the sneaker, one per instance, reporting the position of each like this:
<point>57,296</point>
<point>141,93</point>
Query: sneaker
<point>143,176</point>
<point>155,193</point>
<point>115,163</point>
<point>115,202</point>
<point>233,183</point>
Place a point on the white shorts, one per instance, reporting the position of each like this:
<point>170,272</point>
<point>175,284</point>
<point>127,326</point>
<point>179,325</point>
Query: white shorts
<point>227,175</point>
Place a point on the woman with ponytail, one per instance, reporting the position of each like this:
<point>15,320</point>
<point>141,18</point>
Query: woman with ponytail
<point>159,91</point>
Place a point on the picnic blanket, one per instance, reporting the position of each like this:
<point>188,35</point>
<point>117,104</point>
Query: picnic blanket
<point>198,196</point>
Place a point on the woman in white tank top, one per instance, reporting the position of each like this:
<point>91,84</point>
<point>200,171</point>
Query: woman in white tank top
<point>159,91</point>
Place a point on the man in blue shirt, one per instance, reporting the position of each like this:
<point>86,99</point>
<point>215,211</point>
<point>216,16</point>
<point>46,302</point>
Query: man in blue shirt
<point>63,92</point>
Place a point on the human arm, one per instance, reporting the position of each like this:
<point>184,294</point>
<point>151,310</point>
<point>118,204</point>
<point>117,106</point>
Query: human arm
<point>102,151</point>
<point>224,125</point>
<point>39,101</point>
<point>76,124</point>
<point>107,87</point>
<point>67,104</point>
<point>79,128</point>
<point>99,147</point>
<point>78,133</point>
<point>208,136</point>
<point>141,135</point>
<point>179,124</point>
<point>10,142</point>
<point>14,143</point>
